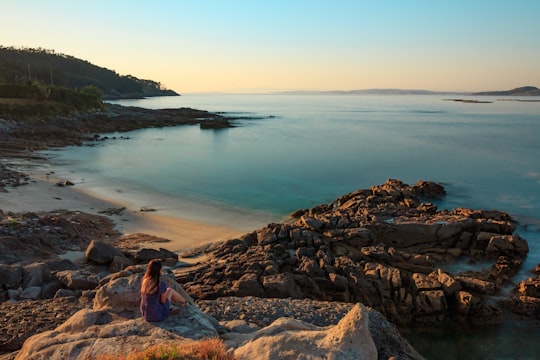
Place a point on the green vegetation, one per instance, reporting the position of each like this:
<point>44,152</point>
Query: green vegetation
<point>41,101</point>
<point>18,66</point>
<point>208,349</point>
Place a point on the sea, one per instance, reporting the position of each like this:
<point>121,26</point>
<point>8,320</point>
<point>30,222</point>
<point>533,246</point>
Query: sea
<point>292,151</point>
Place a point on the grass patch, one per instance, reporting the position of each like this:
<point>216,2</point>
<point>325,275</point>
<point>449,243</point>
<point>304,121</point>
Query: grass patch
<point>207,349</point>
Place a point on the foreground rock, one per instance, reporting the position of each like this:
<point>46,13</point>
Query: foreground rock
<point>114,326</point>
<point>249,314</point>
<point>293,339</point>
<point>382,247</point>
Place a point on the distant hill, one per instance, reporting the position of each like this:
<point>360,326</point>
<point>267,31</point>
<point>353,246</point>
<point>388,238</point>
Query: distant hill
<point>521,91</point>
<point>366,92</point>
<point>17,66</point>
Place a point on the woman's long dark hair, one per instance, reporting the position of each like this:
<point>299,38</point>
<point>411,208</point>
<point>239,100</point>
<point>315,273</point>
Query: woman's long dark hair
<point>150,280</point>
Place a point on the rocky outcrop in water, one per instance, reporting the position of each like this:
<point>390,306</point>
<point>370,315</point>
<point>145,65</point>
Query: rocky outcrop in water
<point>382,247</point>
<point>525,298</point>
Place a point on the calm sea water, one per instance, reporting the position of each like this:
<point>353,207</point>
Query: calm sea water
<point>296,151</point>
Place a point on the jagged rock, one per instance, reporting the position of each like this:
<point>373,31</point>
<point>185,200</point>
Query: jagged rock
<point>248,284</point>
<point>281,286</point>
<point>429,189</point>
<point>476,285</point>
<point>31,293</point>
<point>464,302</point>
<point>65,293</point>
<point>35,274</point>
<point>77,279</point>
<point>530,287</point>
<point>525,298</point>
<point>449,284</point>
<point>119,263</point>
<point>145,255</point>
<point>50,289</point>
<point>292,339</point>
<point>101,252</point>
<point>431,302</point>
<point>10,275</point>
<point>312,223</point>
<point>424,282</point>
<point>525,305</point>
<point>508,245</point>
<point>61,265</point>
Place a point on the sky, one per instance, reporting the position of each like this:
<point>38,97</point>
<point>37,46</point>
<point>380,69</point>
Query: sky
<point>274,45</point>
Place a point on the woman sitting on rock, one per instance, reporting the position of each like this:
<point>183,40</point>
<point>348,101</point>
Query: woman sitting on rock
<point>155,295</point>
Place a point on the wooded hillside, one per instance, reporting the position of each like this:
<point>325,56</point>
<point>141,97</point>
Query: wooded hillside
<point>18,66</point>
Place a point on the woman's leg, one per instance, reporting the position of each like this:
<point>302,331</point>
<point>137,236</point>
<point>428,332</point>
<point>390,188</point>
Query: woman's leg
<point>175,296</point>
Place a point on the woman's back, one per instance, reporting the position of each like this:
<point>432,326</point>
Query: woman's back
<point>151,307</point>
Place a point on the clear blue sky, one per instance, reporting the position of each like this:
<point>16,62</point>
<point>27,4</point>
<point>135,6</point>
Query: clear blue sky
<point>228,45</point>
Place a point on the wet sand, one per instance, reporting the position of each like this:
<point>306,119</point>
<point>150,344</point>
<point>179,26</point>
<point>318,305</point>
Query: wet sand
<point>42,194</point>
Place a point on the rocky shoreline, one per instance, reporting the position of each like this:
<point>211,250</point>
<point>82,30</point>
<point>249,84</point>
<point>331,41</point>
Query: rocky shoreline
<point>385,247</point>
<point>20,138</point>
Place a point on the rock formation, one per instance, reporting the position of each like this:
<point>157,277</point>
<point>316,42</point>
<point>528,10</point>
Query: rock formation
<point>382,247</point>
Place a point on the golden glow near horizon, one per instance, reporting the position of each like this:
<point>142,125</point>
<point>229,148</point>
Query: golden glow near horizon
<point>240,46</point>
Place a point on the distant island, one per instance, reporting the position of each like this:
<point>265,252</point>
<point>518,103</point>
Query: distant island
<point>21,66</point>
<point>365,92</point>
<point>521,91</point>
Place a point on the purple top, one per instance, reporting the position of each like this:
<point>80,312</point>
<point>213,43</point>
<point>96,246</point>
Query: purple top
<point>151,308</point>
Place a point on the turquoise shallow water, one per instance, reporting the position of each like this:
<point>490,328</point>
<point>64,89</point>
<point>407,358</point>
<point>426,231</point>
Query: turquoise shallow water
<point>296,151</point>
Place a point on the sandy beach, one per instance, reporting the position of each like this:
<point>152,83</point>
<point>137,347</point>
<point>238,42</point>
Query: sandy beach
<point>42,194</point>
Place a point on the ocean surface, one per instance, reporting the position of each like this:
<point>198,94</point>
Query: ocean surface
<point>296,151</point>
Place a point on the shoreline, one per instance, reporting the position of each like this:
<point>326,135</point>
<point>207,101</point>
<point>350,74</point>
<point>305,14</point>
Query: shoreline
<point>20,143</point>
<point>42,194</point>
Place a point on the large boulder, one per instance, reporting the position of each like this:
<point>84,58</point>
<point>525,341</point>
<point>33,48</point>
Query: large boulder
<point>92,333</point>
<point>101,252</point>
<point>36,274</point>
<point>10,276</point>
<point>77,279</point>
<point>287,338</point>
<point>114,326</point>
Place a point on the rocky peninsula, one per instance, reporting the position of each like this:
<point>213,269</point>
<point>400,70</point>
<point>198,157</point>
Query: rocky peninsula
<point>335,280</point>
